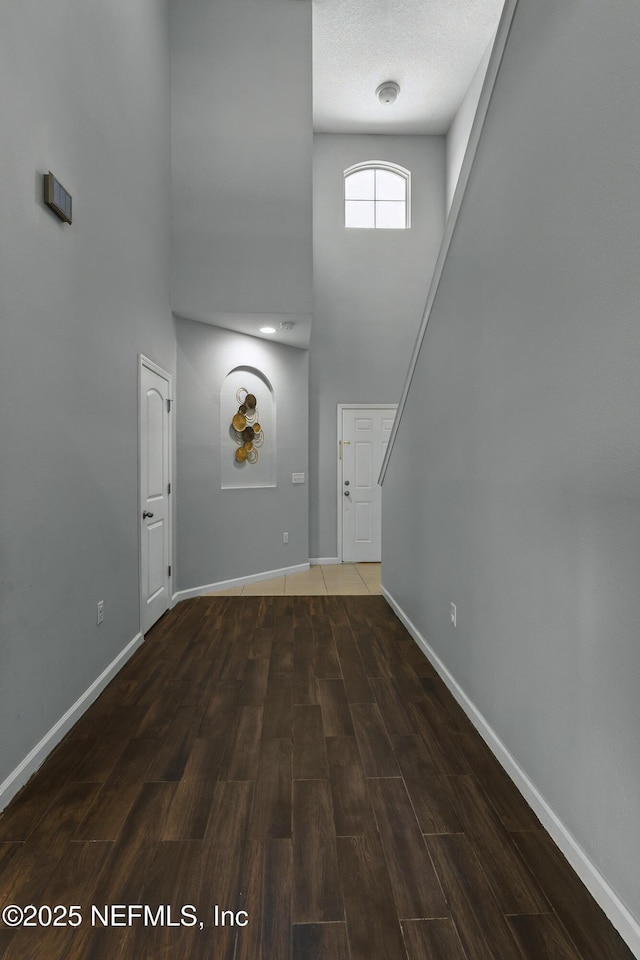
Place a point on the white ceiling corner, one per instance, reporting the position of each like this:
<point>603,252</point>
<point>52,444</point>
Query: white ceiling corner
<point>432,48</point>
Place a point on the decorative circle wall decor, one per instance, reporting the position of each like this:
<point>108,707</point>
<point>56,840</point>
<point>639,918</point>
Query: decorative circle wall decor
<point>247,393</point>
<point>246,428</point>
<point>239,422</point>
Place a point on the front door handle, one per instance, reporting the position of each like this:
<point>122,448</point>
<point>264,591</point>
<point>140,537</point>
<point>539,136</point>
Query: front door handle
<point>346,493</point>
<point>146,513</point>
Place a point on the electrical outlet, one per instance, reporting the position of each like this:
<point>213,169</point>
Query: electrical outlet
<point>454,614</point>
<point>285,538</point>
<point>100,616</point>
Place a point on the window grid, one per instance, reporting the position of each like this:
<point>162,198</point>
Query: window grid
<point>383,197</point>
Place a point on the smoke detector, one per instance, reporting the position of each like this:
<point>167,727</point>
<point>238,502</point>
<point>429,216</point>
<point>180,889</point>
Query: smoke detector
<point>287,325</point>
<point>388,91</point>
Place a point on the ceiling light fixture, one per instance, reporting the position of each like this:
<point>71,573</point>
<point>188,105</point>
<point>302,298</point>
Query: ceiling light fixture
<point>267,329</point>
<point>388,91</point>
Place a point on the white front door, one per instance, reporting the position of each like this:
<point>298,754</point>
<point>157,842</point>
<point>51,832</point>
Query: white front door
<point>155,504</point>
<point>365,435</point>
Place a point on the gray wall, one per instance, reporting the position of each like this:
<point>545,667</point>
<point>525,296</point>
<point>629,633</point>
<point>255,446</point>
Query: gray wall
<point>370,288</point>
<point>84,91</point>
<point>241,157</point>
<point>460,129</point>
<point>224,534</point>
<point>521,502</point>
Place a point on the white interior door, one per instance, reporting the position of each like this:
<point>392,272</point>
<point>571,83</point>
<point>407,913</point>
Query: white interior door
<point>365,435</point>
<point>155,480</point>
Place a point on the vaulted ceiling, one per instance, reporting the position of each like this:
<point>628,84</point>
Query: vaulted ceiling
<point>431,48</point>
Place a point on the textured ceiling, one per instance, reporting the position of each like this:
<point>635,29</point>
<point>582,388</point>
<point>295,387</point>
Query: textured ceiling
<point>430,47</point>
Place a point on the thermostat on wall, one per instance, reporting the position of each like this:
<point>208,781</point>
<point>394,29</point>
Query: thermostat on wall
<point>56,197</point>
<point>297,478</point>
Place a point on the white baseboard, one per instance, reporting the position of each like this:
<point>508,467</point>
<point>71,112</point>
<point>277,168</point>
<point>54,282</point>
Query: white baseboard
<point>238,582</point>
<point>18,777</point>
<point>622,919</point>
<point>322,561</point>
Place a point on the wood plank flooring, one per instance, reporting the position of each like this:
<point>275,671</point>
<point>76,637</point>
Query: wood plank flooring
<point>298,761</point>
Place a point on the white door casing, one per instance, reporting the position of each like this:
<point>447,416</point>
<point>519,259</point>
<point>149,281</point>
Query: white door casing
<point>363,432</point>
<point>155,503</point>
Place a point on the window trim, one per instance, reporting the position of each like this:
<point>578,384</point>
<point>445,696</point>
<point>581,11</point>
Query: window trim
<point>380,165</point>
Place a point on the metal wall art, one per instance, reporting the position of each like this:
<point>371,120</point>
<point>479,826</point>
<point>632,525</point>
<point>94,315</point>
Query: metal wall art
<point>247,414</point>
<point>246,427</point>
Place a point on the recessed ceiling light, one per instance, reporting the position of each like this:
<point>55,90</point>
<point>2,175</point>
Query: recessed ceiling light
<point>267,329</point>
<point>388,91</point>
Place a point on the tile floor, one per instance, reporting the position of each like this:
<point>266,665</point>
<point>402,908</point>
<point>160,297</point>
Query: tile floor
<point>354,579</point>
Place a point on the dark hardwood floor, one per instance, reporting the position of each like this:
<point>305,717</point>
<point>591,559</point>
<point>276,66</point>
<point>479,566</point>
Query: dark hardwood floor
<point>296,758</point>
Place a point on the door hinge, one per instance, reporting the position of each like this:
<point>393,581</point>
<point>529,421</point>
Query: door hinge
<point>168,488</point>
<point>169,571</point>
<point>168,406</point>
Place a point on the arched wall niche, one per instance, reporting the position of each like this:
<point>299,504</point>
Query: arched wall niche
<point>238,382</point>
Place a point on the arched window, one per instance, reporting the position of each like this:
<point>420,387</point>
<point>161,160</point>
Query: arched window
<point>377,196</point>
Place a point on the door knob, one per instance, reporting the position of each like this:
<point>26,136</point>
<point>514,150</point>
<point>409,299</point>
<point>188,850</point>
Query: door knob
<point>146,513</point>
<point>346,493</point>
